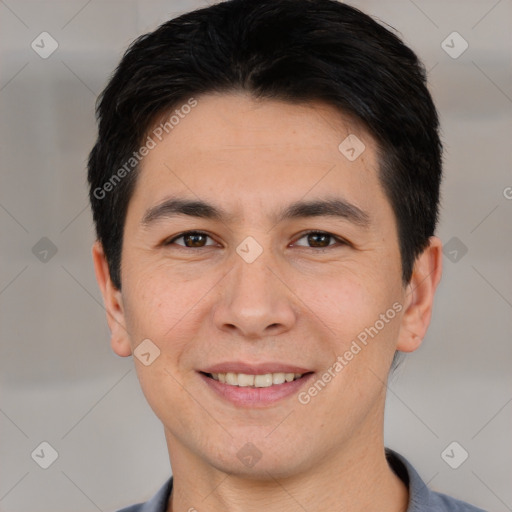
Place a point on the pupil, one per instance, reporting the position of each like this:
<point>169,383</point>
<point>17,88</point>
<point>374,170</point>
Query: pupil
<point>195,240</point>
<point>323,238</point>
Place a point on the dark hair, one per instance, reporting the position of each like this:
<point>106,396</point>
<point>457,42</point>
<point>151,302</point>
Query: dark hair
<point>292,50</point>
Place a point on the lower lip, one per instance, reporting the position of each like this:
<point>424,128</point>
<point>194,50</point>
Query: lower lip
<point>255,397</point>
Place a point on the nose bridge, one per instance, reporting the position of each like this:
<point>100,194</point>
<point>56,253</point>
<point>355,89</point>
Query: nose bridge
<point>253,277</point>
<point>254,301</point>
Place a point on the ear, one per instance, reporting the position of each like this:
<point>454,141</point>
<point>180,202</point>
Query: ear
<point>419,297</point>
<point>112,298</point>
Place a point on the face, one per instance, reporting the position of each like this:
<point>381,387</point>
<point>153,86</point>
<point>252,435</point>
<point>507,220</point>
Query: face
<point>287,266</point>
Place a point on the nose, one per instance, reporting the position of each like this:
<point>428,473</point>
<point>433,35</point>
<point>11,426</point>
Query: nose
<point>254,300</point>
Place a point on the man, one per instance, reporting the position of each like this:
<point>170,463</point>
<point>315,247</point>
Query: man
<point>265,189</point>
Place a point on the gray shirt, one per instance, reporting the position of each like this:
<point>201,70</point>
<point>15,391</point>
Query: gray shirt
<point>421,499</point>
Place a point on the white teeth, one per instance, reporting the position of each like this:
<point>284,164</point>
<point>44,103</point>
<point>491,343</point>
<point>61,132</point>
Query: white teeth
<point>258,381</point>
<point>278,378</point>
<point>263,381</point>
<point>245,380</point>
<point>232,378</point>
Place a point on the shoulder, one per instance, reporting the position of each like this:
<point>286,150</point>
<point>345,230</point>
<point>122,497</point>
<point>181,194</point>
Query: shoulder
<point>158,503</point>
<point>442,502</point>
<point>132,508</point>
<point>421,498</point>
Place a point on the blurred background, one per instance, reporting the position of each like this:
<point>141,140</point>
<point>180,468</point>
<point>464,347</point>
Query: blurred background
<point>449,407</point>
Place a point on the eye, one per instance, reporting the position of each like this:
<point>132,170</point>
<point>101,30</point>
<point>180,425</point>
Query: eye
<point>191,239</point>
<point>320,239</point>
<point>314,239</point>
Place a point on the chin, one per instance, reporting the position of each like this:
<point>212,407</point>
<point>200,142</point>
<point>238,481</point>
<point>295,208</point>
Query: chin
<point>263,463</point>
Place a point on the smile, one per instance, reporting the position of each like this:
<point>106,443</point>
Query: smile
<point>257,381</point>
<point>249,390</point>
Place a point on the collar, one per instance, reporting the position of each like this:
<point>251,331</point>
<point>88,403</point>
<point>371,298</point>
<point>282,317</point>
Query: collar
<point>421,498</point>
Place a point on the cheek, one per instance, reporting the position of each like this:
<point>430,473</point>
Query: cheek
<point>342,300</point>
<point>162,310</point>
<point>155,304</point>
<point>359,313</point>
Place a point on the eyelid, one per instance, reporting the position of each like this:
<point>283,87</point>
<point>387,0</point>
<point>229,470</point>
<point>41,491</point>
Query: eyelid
<point>172,240</point>
<point>338,239</point>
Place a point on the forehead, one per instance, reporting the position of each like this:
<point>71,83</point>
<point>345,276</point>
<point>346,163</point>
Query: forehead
<point>259,152</point>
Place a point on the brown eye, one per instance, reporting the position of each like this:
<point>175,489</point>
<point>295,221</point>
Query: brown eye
<point>191,239</point>
<point>319,239</point>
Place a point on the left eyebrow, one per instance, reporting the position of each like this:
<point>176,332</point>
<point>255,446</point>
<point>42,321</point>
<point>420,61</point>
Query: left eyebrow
<point>331,207</point>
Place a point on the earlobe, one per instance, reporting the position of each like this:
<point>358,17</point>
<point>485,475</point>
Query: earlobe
<point>419,296</point>
<point>113,302</point>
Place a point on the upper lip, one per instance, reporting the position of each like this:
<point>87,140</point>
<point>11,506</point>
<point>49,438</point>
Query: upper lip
<point>254,368</point>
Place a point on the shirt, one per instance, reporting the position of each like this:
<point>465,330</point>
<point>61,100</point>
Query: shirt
<point>421,498</point>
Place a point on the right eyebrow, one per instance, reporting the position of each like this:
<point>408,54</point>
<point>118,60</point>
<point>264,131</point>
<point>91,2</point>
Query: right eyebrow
<point>176,206</point>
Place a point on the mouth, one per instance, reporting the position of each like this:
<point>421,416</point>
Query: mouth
<point>254,390</point>
<point>245,380</point>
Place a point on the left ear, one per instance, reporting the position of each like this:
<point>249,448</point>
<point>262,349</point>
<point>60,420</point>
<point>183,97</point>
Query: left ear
<point>419,296</point>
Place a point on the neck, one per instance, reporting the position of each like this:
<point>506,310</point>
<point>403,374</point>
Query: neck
<point>356,478</point>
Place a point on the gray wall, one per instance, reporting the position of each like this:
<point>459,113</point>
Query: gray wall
<point>60,382</point>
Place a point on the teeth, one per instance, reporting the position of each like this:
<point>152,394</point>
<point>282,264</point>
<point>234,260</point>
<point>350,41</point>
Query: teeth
<point>232,378</point>
<point>263,381</point>
<point>245,380</point>
<point>258,381</point>
<point>278,378</point>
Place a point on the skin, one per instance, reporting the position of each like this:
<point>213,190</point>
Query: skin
<point>296,304</point>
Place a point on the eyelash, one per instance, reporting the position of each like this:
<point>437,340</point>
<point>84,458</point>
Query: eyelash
<point>340,241</point>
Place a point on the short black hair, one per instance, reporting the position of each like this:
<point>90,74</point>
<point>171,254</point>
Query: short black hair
<point>296,51</point>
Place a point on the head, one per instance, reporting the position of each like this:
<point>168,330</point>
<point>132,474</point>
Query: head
<point>297,140</point>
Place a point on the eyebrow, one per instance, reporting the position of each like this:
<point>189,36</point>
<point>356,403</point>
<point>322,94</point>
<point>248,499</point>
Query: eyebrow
<point>330,207</point>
